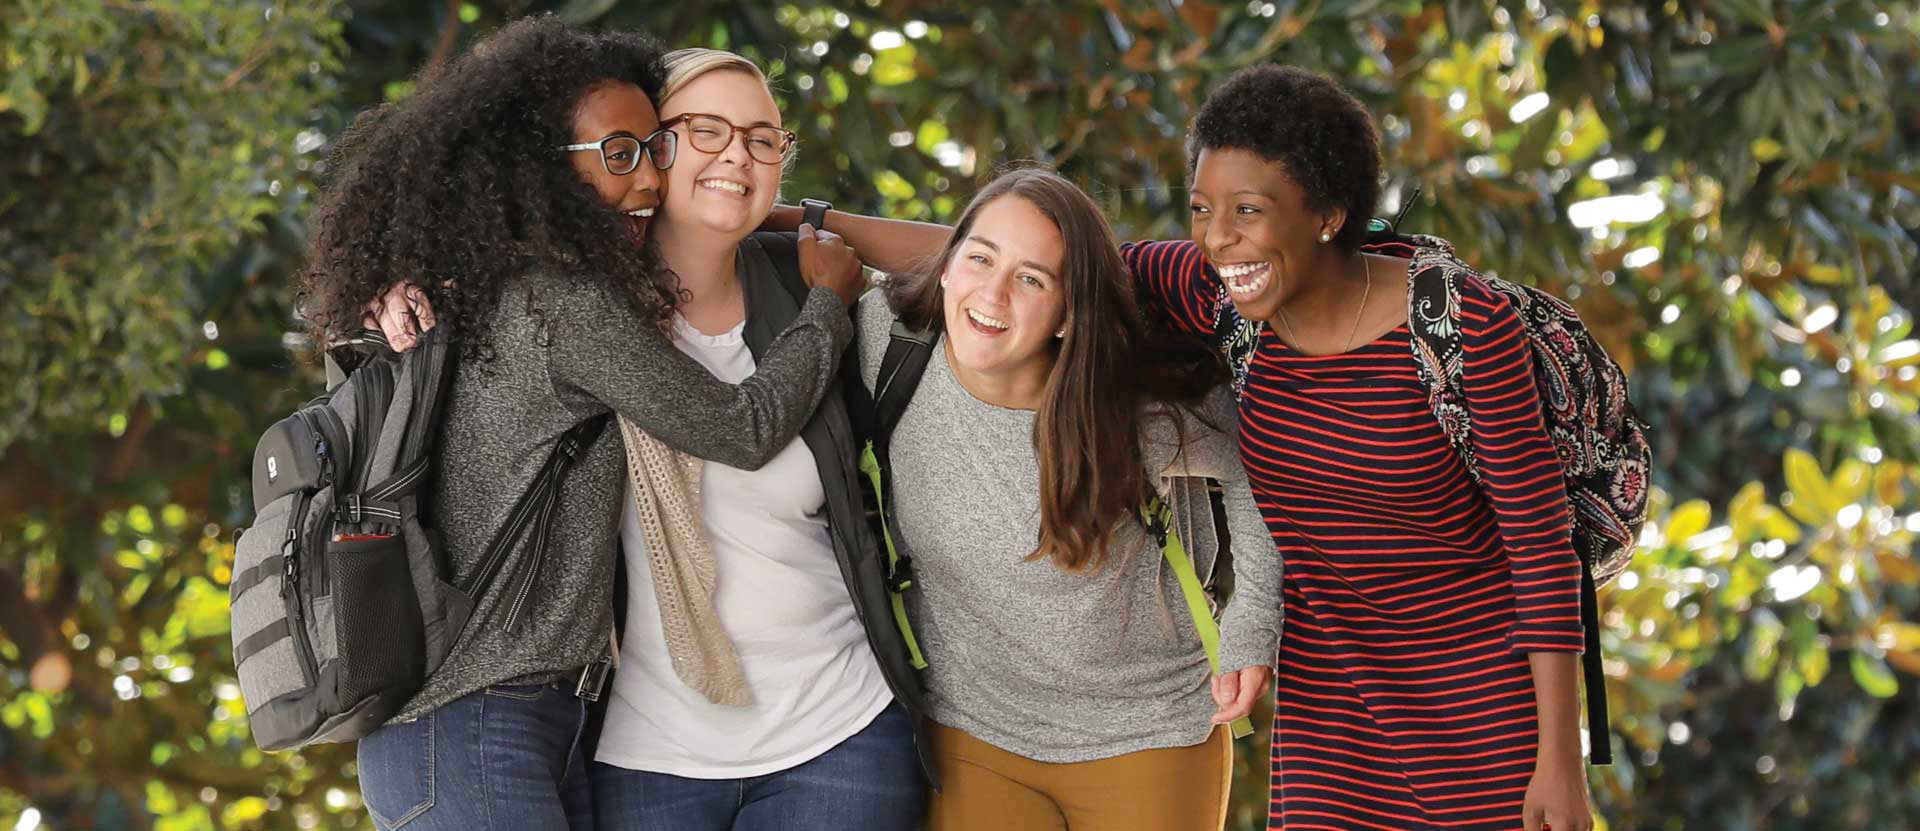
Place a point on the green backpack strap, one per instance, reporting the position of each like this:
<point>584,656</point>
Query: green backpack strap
<point>1157,514</point>
<point>900,369</point>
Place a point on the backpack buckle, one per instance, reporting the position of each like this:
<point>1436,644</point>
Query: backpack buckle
<point>593,680</point>
<point>1154,518</point>
<point>348,510</point>
<point>900,578</point>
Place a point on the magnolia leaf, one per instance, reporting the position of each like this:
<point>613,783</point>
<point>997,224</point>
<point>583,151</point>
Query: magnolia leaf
<point>1775,525</point>
<point>1813,664</point>
<point>1689,519</point>
<point>1850,483</point>
<point>1872,675</point>
<point>1813,499</point>
<point>1763,640</point>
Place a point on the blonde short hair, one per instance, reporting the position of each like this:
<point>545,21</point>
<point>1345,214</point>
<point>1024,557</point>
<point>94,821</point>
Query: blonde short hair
<point>684,65</point>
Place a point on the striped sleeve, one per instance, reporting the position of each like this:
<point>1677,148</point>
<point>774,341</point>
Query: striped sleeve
<point>1520,474</point>
<point>1173,279</point>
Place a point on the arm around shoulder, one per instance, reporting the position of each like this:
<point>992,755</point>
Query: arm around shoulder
<point>600,351</point>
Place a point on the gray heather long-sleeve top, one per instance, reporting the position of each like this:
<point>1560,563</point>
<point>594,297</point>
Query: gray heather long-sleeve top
<point>1052,665</point>
<point>566,351</point>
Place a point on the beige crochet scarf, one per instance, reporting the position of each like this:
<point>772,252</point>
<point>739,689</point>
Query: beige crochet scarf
<point>666,496</point>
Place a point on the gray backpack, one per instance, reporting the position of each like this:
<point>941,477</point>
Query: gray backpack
<point>342,603</point>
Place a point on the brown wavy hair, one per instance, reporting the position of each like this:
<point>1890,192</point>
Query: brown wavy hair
<point>1109,372</point>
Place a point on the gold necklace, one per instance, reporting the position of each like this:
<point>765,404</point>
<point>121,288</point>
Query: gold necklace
<point>1366,263</point>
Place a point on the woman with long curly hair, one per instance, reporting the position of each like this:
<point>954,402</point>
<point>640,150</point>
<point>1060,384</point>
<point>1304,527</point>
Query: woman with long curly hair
<point>522,178</point>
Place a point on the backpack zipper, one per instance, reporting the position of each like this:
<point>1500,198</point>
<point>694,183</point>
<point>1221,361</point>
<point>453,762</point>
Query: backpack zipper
<point>290,591</point>
<point>335,449</point>
<point>295,550</point>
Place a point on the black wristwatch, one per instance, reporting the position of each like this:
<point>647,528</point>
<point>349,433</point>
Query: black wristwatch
<point>814,212</point>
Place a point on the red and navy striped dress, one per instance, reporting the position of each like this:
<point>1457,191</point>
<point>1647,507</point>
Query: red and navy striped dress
<point>1404,699</point>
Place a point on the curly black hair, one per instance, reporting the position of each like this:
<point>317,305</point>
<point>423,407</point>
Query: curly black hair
<point>461,188</point>
<point>1321,136</point>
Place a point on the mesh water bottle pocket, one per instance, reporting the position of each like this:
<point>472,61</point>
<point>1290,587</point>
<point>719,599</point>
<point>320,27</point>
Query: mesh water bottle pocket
<point>377,617</point>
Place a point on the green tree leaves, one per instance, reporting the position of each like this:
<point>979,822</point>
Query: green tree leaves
<point>140,144</point>
<point>1725,189</point>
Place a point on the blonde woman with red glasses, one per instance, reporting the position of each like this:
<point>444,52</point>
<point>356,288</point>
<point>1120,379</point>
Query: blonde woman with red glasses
<point>755,689</point>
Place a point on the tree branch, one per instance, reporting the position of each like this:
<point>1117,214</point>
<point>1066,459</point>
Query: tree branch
<point>444,44</point>
<point>20,617</point>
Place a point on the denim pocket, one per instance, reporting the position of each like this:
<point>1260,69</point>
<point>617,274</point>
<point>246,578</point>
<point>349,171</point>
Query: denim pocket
<point>396,772</point>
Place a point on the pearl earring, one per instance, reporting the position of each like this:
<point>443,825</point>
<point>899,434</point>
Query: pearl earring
<point>1061,332</point>
<point>1326,237</point>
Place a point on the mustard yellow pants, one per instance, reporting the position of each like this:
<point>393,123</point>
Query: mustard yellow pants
<point>984,788</point>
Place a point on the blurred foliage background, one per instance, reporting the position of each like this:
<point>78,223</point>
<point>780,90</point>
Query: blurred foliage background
<point>1725,188</point>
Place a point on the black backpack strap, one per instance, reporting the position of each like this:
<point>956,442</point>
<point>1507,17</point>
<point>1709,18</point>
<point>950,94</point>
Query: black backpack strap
<point>783,250</point>
<point>1599,732</point>
<point>900,369</point>
<point>430,368</point>
<point>345,356</point>
<point>534,509</point>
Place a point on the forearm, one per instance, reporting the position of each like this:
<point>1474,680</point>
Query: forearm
<point>1557,697</point>
<point>1250,626</point>
<point>890,245</point>
<point>645,378</point>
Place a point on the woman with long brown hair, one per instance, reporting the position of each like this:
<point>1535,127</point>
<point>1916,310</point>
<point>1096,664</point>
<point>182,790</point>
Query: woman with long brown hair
<point>1065,676</point>
<point>1433,596</point>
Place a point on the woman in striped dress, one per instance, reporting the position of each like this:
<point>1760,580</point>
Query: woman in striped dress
<point>1426,672</point>
<point>1426,675</point>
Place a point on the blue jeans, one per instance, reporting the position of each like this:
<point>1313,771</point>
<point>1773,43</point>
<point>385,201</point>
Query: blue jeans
<point>870,782</point>
<point>506,757</point>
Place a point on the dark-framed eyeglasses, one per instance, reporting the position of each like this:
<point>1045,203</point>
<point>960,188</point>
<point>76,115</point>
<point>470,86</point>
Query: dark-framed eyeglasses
<point>711,134</point>
<point>621,152</point>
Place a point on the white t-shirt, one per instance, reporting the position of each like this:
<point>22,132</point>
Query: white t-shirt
<point>781,598</point>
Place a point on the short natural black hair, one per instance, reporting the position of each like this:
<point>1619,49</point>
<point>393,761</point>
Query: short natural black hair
<point>1321,136</point>
<point>461,188</point>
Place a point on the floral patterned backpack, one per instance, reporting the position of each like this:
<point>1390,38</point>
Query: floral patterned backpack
<point>1583,392</point>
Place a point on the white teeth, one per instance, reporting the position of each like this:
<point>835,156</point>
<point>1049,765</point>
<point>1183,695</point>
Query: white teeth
<point>1249,288</point>
<point>641,212</point>
<point>722,184</point>
<point>983,320</point>
<point>1244,279</point>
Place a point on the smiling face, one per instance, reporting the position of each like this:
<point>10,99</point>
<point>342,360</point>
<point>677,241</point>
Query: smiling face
<point>618,108</point>
<point>1253,224</point>
<point>728,192</point>
<point>1004,299</point>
